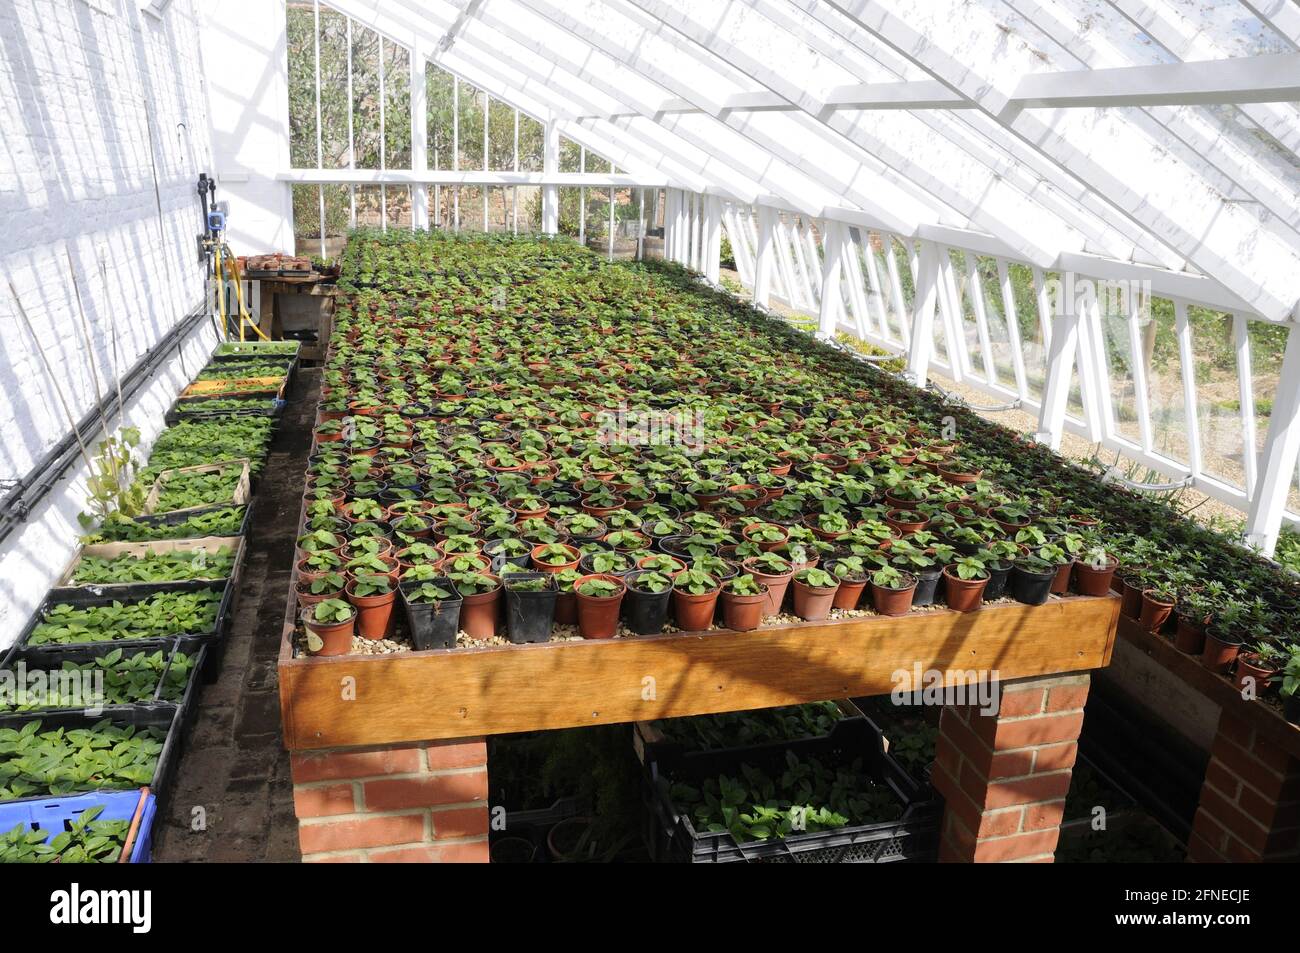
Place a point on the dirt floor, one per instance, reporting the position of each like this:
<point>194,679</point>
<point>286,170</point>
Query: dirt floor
<point>233,799</point>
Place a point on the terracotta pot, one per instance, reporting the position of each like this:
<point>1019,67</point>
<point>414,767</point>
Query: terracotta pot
<point>1189,638</point>
<point>776,587</point>
<point>598,615</point>
<point>1130,603</point>
<point>545,567</point>
<point>1154,613</point>
<point>812,604</point>
<point>694,613</point>
<point>1219,654</point>
<point>765,547</point>
<point>1091,581</point>
<point>1251,674</point>
<point>905,526</point>
<point>743,613</point>
<point>1061,581</point>
<point>963,595</point>
<point>336,637</point>
<point>374,613</point>
<point>893,602</point>
<point>480,613</point>
<point>849,594</point>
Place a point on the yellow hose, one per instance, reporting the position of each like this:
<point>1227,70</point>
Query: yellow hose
<point>239,297</point>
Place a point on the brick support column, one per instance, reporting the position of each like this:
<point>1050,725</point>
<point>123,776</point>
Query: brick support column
<point>1250,801</point>
<point>1004,776</point>
<point>397,803</point>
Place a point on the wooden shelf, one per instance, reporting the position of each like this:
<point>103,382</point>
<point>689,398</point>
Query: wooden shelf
<point>416,696</point>
<point>1265,719</point>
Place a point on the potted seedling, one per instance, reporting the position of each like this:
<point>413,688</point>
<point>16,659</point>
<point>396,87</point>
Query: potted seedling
<point>319,587</point>
<point>774,572</point>
<point>373,595</point>
<point>695,599</point>
<point>1063,560</point>
<point>661,562</point>
<point>998,557</point>
<point>1290,688</point>
<point>853,574</point>
<point>605,562</point>
<point>555,557</point>
<point>926,565</point>
<point>1257,666</point>
<point>480,593</point>
<point>646,601</point>
<point>892,590</point>
<point>566,603</point>
<point>318,564</point>
<point>1031,579</point>
<point>743,600</point>
<point>432,611</point>
<point>582,527</point>
<point>964,583</point>
<point>814,593</point>
<point>1224,636</point>
<point>507,551</point>
<point>530,606</point>
<point>329,626</point>
<point>907,521</point>
<point>767,536</point>
<point>599,597</point>
<point>1157,604</point>
<point>1094,571</point>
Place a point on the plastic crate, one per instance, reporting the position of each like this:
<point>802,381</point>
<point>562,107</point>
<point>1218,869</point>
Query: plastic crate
<point>166,718</point>
<point>672,836</point>
<point>56,814</point>
<point>174,415</point>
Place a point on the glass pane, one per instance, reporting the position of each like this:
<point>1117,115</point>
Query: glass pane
<point>1218,403</point>
<point>471,129</point>
<point>300,22</point>
<point>335,151</point>
<point>501,136</point>
<point>597,163</point>
<point>442,212</point>
<point>441,93</point>
<point>1158,340</point>
<point>1120,360</point>
<point>627,217</point>
<point>570,155</point>
<point>471,206</point>
<point>969,328</point>
<point>598,219</point>
<point>532,144</point>
<point>306,219</point>
<point>369,206</point>
<point>1032,346</point>
<point>397,107</point>
<point>500,206</point>
<point>570,211</point>
<point>530,207</point>
<point>399,206</point>
<point>338,215</point>
<point>365,96</point>
<point>999,340</point>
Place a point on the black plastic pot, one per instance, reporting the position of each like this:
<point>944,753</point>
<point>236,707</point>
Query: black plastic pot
<point>927,586</point>
<point>1031,588</point>
<point>645,612</point>
<point>492,550</point>
<point>997,584</point>
<point>529,615</point>
<point>676,546</point>
<point>433,625</point>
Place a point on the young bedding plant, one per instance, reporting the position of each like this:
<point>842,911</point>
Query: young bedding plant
<point>625,394</point>
<point>56,761</point>
<point>155,617</point>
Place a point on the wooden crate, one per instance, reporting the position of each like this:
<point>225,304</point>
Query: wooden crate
<point>241,496</point>
<point>112,550</point>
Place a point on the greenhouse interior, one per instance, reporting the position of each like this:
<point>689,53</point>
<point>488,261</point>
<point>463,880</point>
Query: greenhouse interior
<point>650,431</point>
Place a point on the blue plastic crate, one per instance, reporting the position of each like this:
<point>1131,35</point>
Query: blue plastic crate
<point>53,815</point>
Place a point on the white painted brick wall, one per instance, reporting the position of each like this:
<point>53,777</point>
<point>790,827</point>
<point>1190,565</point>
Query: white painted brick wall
<point>97,102</point>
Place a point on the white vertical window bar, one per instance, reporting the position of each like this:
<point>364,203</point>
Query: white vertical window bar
<point>1133,314</point>
<point>611,223</point>
<point>582,198</point>
<point>514,189</point>
<point>320,149</point>
<point>858,305</point>
<point>802,274</point>
<point>1013,328</point>
<point>950,311</point>
<point>814,260</point>
<point>896,289</point>
<point>455,150</point>
<point>383,140</point>
<point>975,289</point>
<point>487,117</point>
<point>1187,368</point>
<point>1094,379</point>
<point>640,224</point>
<point>877,296</point>
<point>352,145</point>
<point>1246,393</point>
<point>736,232</point>
<point>785,263</point>
<point>1044,302</point>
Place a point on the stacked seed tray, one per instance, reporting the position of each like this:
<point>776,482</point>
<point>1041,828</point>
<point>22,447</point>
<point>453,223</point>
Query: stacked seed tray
<point>750,787</point>
<point>112,658</point>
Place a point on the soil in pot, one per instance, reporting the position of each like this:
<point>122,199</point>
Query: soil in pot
<point>743,613</point>
<point>646,613</point>
<point>963,595</point>
<point>530,613</point>
<point>1220,652</point>
<point>598,615</point>
<point>1155,610</point>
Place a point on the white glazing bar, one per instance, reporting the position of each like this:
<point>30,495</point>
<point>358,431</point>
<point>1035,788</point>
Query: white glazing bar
<point>975,289</point>
<point>514,197</point>
<point>352,148</point>
<point>925,302</point>
<point>455,151</point>
<point>739,245</point>
<point>1044,301</point>
<point>810,243</point>
<point>582,198</point>
<point>877,300</point>
<point>1187,369</point>
<point>954,334</point>
<point>320,150</point>
<point>419,138</point>
<point>1135,313</point>
<point>858,304</point>
<point>1093,379</point>
<point>611,223</point>
<point>1246,396</point>
<point>383,137</point>
<point>1013,328</point>
<point>640,224</point>
<point>1281,447</point>
<point>803,266</point>
<point>487,121</point>
<point>765,255</point>
<point>712,238</point>
<point>785,261</point>
<point>1056,386</point>
<point>551,166</point>
<point>832,263</point>
<point>896,288</point>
